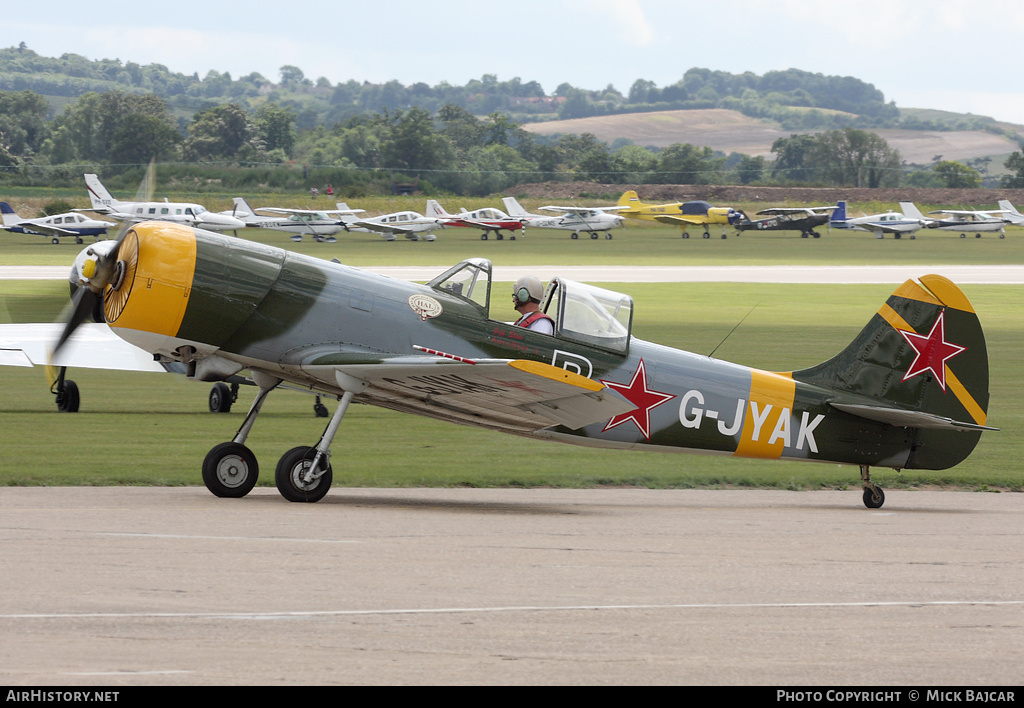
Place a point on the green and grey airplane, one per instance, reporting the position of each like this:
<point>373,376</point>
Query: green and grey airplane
<point>910,392</point>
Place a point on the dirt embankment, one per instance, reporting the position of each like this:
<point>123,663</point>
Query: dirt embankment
<point>952,198</point>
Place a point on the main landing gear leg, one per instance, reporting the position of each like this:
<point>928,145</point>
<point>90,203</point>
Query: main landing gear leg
<point>874,497</point>
<point>230,469</point>
<point>304,474</point>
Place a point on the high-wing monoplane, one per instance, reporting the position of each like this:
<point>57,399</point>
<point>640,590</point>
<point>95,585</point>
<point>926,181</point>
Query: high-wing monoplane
<point>966,221</point>
<point>802,219</point>
<point>681,214</point>
<point>891,222</point>
<point>588,220</point>
<point>187,213</point>
<point>910,391</point>
<point>321,224</point>
<point>487,219</point>
<point>58,226</point>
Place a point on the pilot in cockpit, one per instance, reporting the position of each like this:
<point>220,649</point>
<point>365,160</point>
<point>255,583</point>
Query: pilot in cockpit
<point>526,295</point>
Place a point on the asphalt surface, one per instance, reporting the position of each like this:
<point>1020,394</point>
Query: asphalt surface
<point>151,586</point>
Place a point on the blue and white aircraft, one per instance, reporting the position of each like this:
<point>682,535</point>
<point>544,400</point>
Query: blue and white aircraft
<point>66,225</point>
<point>891,222</point>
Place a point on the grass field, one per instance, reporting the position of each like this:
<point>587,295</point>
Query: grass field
<point>154,428</point>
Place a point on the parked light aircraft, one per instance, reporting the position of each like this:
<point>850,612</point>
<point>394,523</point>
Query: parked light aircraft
<point>591,220</point>
<point>963,220</point>
<point>321,224</point>
<point>177,212</point>
<point>411,224</point>
<point>802,219</point>
<point>681,214</point>
<point>66,225</point>
<point>487,219</point>
<point>891,222</point>
<point>911,390</point>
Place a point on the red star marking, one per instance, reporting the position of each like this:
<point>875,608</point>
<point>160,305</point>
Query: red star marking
<point>637,393</point>
<point>933,351</point>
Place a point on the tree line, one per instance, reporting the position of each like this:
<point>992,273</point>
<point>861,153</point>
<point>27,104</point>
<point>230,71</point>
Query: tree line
<point>450,150</point>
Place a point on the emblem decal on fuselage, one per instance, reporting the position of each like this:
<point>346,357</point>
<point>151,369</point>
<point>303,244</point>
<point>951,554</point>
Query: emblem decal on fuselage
<point>425,306</point>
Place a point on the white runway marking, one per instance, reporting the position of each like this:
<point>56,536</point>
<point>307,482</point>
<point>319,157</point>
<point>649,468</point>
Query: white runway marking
<point>490,610</point>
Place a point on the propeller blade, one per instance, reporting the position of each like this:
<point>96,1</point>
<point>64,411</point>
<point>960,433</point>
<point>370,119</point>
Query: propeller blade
<point>83,302</point>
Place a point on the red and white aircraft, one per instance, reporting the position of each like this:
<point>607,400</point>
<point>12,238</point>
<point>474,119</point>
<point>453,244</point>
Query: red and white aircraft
<point>487,219</point>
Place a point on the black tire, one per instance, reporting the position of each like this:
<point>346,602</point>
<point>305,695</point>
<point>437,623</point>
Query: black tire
<point>593,236</point>
<point>220,398</point>
<point>574,236</point>
<point>68,397</point>
<point>293,463</point>
<point>871,501</point>
<point>230,470</point>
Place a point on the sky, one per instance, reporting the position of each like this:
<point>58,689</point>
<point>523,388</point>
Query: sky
<point>946,54</point>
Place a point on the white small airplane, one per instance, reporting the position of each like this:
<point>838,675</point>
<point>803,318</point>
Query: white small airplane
<point>487,219</point>
<point>186,213</point>
<point>68,224</point>
<point>891,222</point>
<point>591,220</point>
<point>963,220</point>
<point>321,224</point>
<point>411,224</point>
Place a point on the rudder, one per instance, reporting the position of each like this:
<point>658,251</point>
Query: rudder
<point>922,363</point>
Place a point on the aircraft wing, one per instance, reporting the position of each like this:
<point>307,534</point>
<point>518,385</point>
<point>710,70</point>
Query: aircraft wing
<point>42,229</point>
<point>283,210</point>
<point>681,220</point>
<point>92,346</point>
<point>577,210</point>
<point>775,211</point>
<point>384,228</point>
<point>512,395</point>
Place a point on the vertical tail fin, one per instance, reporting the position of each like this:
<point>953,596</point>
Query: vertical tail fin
<point>629,199</point>
<point>435,210</point>
<point>10,216</point>
<point>920,363</point>
<point>839,217</point>
<point>242,208</point>
<point>98,194</point>
<point>1008,206</point>
<point>911,211</point>
<point>513,207</point>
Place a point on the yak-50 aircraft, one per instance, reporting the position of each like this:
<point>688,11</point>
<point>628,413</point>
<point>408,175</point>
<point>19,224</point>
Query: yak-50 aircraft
<point>911,390</point>
<point>802,219</point>
<point>681,214</point>
<point>321,224</point>
<point>175,212</point>
<point>486,219</point>
<point>56,227</point>
<point>590,220</point>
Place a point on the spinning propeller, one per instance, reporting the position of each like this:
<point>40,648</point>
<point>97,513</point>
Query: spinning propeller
<point>98,267</point>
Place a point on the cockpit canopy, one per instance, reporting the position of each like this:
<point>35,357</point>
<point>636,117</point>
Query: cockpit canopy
<point>589,314</point>
<point>582,313</point>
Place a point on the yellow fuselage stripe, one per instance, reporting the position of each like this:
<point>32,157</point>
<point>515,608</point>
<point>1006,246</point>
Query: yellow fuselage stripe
<point>768,425</point>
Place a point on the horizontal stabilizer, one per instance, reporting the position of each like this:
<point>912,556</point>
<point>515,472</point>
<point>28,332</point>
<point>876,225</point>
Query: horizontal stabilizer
<point>907,419</point>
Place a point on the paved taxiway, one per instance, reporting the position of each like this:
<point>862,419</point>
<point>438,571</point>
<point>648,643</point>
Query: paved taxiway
<point>142,586</point>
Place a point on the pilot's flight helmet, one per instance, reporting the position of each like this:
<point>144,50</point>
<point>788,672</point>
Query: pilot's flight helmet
<point>528,289</point>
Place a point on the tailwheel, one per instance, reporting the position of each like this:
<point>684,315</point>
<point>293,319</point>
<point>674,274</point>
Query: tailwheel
<point>230,470</point>
<point>296,478</point>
